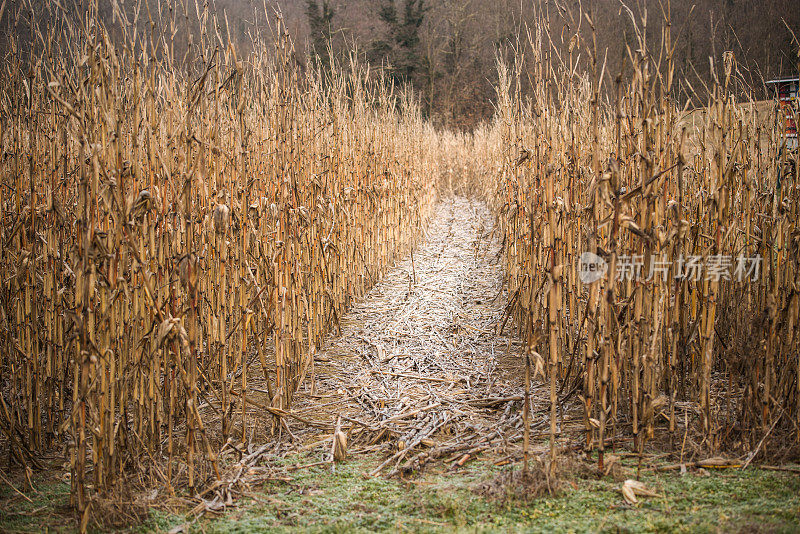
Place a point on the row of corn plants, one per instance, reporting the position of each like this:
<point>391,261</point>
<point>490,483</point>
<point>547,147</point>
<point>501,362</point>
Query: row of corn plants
<point>170,224</point>
<point>689,329</point>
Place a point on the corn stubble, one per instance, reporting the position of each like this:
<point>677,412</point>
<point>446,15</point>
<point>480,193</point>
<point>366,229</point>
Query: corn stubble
<point>163,220</point>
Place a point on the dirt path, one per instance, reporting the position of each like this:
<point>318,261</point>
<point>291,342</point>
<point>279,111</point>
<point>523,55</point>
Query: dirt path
<point>419,366</point>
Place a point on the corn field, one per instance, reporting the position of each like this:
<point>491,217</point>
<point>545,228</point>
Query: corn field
<point>164,231</point>
<point>172,225</point>
<point>694,214</point>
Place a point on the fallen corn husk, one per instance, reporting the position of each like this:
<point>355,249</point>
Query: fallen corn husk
<point>631,488</point>
<point>339,447</point>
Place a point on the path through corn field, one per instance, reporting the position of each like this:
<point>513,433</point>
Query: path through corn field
<point>420,371</point>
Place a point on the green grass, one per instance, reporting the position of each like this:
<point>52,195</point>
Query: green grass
<point>50,507</point>
<point>346,500</point>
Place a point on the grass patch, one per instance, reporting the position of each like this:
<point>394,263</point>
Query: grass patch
<point>48,510</point>
<point>347,500</point>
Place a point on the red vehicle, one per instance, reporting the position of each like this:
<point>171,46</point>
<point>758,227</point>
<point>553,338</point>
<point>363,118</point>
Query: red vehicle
<point>786,92</point>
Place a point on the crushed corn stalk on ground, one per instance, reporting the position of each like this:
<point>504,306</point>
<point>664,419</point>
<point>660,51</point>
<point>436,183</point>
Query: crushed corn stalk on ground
<point>419,361</point>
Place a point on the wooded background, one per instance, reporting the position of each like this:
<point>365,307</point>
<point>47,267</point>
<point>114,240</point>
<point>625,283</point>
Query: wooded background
<point>447,49</point>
